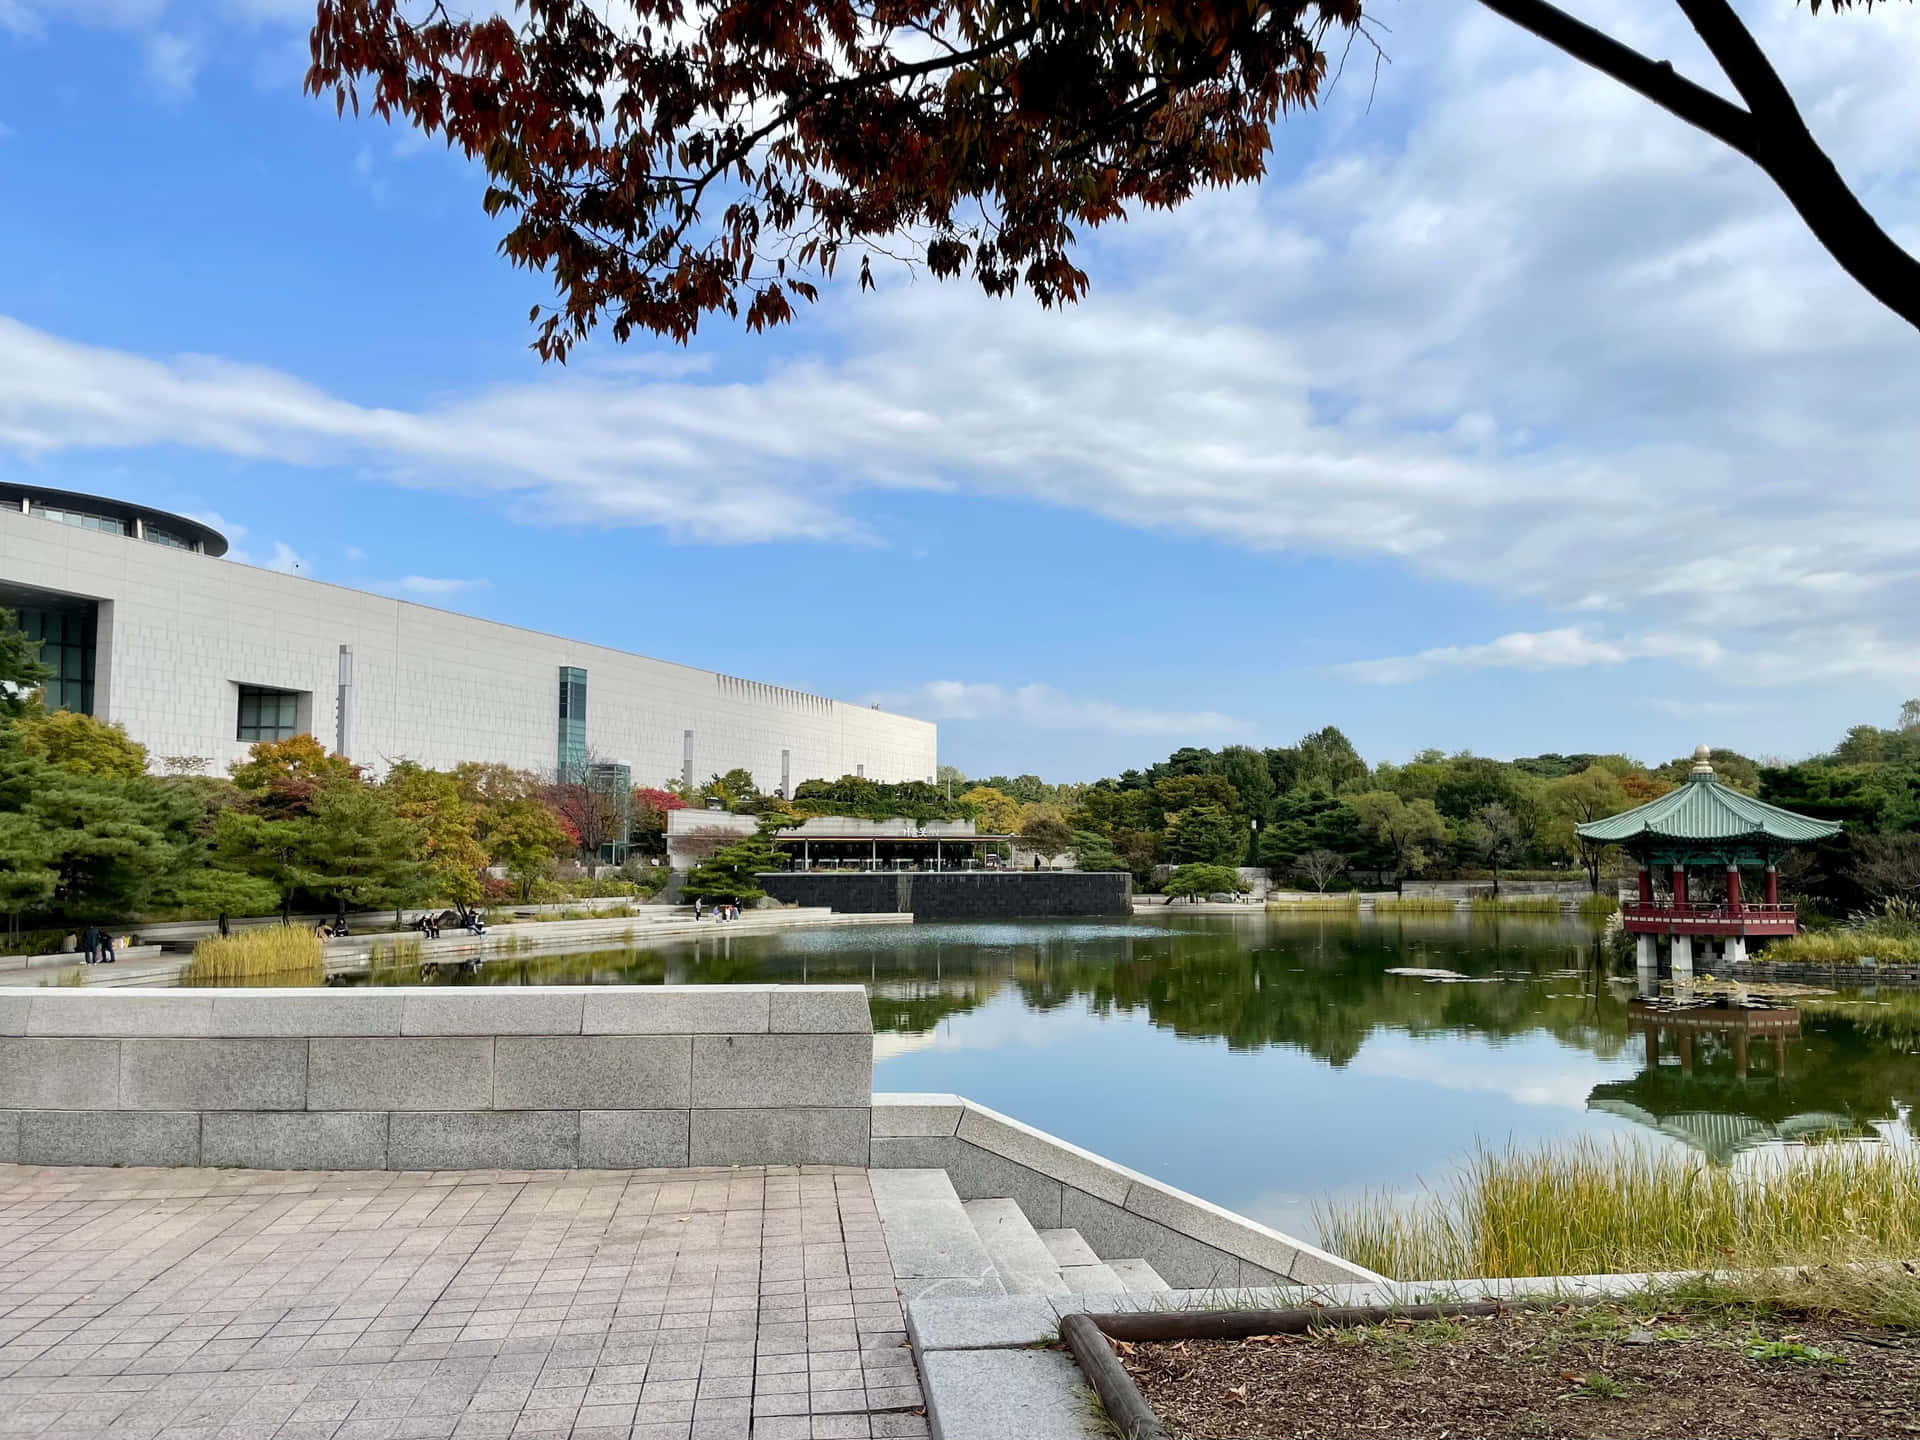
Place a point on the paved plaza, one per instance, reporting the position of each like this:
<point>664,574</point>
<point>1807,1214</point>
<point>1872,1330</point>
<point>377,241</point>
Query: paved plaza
<point>632,1305</point>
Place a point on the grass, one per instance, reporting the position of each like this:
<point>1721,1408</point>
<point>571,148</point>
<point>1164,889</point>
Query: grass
<point>266,955</point>
<point>1515,904</point>
<point>1588,1208</point>
<point>394,962</point>
<point>1418,905</point>
<point>1350,901</point>
<point>1599,907</point>
<point>1892,1016</point>
<point>1843,946</point>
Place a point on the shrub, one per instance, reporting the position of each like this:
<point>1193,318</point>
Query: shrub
<point>1197,880</point>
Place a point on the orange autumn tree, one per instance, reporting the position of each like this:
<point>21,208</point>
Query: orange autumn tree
<point>726,156</point>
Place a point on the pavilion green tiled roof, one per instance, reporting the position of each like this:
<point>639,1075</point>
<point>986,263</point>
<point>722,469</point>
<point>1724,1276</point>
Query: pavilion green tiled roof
<point>1706,811</point>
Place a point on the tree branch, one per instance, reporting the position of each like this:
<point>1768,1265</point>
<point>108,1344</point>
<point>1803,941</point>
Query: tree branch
<point>1771,134</point>
<point>1655,79</point>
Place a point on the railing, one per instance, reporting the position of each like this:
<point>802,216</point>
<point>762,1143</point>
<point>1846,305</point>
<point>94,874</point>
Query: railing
<point>1709,915</point>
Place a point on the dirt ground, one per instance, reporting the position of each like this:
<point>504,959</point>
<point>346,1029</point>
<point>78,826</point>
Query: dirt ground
<point>1588,1373</point>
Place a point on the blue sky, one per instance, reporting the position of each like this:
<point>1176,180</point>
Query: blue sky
<point>1507,414</point>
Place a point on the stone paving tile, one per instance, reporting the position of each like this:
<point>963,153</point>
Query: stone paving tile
<point>745,1304</point>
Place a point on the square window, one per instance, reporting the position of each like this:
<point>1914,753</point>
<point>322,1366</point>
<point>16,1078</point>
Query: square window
<point>267,714</point>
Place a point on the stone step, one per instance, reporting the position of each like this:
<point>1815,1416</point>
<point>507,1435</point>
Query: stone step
<point>1139,1277</point>
<point>1068,1247</point>
<point>1099,1279</point>
<point>933,1246</point>
<point>1024,1263</point>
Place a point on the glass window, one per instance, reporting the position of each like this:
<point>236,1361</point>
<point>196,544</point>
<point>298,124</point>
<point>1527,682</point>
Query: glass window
<point>66,638</point>
<point>81,518</point>
<point>571,752</point>
<point>267,714</point>
<point>166,537</point>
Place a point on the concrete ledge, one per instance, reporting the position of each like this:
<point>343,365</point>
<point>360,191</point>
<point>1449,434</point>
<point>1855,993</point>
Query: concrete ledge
<point>429,1077</point>
<point>1190,1241</point>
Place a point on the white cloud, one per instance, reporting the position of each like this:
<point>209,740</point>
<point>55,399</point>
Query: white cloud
<point>286,558</point>
<point>1044,708</point>
<point>1513,329</point>
<point>173,63</point>
<point>1568,648</point>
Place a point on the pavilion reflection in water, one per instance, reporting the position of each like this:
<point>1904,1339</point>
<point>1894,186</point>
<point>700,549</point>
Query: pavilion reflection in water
<point>1716,1077</point>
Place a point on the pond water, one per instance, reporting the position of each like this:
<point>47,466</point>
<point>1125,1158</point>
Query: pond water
<point>1274,1062</point>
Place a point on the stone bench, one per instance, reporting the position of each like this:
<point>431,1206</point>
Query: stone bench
<point>437,1078</point>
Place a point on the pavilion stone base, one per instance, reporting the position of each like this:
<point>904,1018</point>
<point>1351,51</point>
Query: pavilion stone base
<point>438,1078</point>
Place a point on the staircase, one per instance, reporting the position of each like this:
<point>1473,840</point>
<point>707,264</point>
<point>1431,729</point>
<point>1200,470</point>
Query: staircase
<point>943,1247</point>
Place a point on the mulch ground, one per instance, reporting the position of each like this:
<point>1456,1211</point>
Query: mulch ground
<point>1590,1373</point>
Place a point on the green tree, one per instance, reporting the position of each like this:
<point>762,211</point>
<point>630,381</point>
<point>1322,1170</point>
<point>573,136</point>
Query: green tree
<point>1094,851</point>
<point>1411,831</point>
<point>1329,761</point>
<point>1592,794</point>
<point>1205,834</point>
<point>1495,836</point>
<point>111,843</point>
<point>731,874</point>
<point>81,744</point>
<point>207,891</point>
<point>282,776</point>
<point>21,671</point>
<point>1193,881</point>
<point>1045,834</point>
<point>355,848</point>
<point>267,849</point>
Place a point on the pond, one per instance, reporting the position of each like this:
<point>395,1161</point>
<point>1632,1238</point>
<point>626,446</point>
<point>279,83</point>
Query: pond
<point>1273,1062</point>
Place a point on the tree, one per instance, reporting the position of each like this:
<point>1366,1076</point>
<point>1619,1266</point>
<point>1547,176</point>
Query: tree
<point>731,872</point>
<point>725,160</point>
<point>1576,800</point>
<point>1329,761</point>
<point>1321,867</point>
<point>650,810</point>
<point>448,824</point>
<point>994,812</point>
<point>283,775</point>
<point>220,893</point>
<point>21,670</point>
<point>81,744</point>
<point>1193,881</point>
<point>1206,834</point>
<point>263,848</point>
<point>1046,835</point>
<point>355,848</point>
<point>736,790</point>
<point>1888,865</point>
<point>1495,835</point>
<point>1411,830</point>
<point>588,807</point>
<point>1093,851</point>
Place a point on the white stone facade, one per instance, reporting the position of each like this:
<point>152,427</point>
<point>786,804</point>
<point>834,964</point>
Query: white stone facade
<point>178,634</point>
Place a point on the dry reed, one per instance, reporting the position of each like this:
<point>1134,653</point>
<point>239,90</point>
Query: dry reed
<point>266,955</point>
<point>1590,1207</point>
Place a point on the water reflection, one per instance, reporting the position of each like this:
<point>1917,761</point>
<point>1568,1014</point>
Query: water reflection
<point>1267,1060</point>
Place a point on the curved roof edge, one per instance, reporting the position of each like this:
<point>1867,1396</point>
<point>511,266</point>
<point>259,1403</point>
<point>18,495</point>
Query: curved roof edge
<point>209,540</point>
<point>1705,810</point>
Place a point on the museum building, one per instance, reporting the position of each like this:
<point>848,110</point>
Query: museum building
<point>147,626</point>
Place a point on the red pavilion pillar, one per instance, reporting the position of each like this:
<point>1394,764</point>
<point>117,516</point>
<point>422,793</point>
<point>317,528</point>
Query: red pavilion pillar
<point>1646,885</point>
<point>1773,885</point>
<point>1733,889</point>
<point>1680,887</point>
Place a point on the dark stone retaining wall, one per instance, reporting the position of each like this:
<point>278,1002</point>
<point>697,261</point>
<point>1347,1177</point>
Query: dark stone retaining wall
<point>957,894</point>
<point>1905,976</point>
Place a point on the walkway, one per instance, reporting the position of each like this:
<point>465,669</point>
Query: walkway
<point>643,1305</point>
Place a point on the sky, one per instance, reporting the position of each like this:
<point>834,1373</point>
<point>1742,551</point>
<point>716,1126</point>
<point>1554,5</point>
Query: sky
<point>1508,413</point>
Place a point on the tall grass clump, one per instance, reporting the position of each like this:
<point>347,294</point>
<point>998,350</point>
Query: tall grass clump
<point>1349,901</point>
<point>394,962</point>
<point>1515,905</point>
<point>267,955</point>
<point>1590,1207</point>
<point>1413,905</point>
<point>1599,907</point>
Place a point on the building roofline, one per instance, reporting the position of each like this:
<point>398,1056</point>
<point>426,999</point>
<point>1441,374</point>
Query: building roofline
<point>210,540</point>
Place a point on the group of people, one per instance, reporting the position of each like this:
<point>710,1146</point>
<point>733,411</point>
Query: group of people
<point>98,945</point>
<point>334,931</point>
<point>429,924</point>
<point>721,910</point>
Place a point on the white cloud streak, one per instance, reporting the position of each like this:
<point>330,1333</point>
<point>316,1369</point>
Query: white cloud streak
<point>1041,707</point>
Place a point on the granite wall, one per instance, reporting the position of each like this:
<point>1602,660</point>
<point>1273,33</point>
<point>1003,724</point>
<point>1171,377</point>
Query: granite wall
<point>437,1078</point>
<point>958,894</point>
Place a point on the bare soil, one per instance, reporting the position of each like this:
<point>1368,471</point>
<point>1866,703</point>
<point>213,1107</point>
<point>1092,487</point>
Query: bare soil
<point>1541,1375</point>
